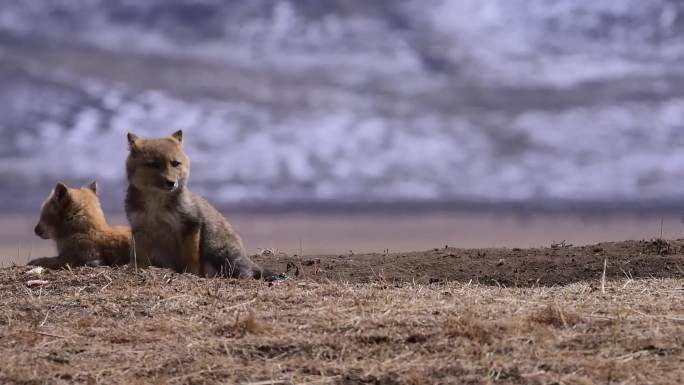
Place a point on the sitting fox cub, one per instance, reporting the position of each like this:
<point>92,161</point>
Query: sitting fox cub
<point>173,226</point>
<point>74,219</point>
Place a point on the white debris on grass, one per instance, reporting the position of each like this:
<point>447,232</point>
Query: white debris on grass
<point>35,271</point>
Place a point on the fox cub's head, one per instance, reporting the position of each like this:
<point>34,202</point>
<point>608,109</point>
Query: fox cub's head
<point>69,209</point>
<point>157,164</point>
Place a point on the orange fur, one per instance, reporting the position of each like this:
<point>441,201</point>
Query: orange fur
<point>73,218</point>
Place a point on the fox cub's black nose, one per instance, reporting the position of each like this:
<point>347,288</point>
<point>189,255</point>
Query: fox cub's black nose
<point>171,184</point>
<point>38,231</point>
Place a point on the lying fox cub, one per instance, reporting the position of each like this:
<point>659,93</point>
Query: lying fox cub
<point>74,219</point>
<point>173,226</point>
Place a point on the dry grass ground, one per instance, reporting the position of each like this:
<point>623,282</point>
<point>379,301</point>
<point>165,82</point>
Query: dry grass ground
<point>114,326</point>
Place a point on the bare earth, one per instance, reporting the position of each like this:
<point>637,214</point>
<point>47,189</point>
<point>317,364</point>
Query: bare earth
<point>530,316</point>
<point>559,264</point>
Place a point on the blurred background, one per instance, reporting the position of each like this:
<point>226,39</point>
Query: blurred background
<point>352,124</point>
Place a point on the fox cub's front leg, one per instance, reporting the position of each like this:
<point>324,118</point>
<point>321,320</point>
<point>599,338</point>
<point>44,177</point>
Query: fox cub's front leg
<point>190,252</point>
<point>140,252</point>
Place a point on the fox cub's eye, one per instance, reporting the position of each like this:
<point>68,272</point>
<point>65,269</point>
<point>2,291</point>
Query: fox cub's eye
<point>175,163</point>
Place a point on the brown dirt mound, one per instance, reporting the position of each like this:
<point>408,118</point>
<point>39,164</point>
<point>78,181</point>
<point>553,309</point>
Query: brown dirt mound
<point>558,264</point>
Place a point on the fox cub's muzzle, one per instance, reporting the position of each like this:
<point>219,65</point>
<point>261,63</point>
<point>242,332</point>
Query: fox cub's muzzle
<point>40,232</point>
<point>170,185</point>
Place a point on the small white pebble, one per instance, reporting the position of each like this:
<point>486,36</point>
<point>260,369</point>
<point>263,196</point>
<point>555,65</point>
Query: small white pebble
<point>36,271</point>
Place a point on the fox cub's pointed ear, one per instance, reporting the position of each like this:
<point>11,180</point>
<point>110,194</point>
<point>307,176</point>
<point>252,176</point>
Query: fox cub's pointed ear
<point>178,135</point>
<point>61,192</point>
<point>93,186</point>
<point>133,140</point>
